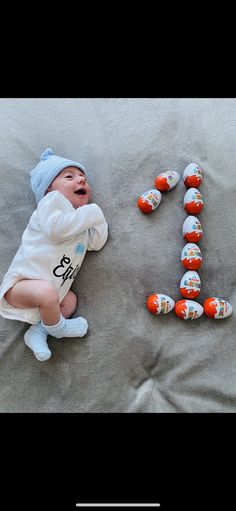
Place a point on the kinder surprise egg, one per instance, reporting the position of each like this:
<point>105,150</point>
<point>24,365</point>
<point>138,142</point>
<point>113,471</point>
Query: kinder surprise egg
<point>192,175</point>
<point>217,308</point>
<point>193,202</point>
<point>192,229</point>
<point>190,284</point>
<point>166,181</point>
<point>188,309</point>
<point>191,256</point>
<point>149,201</point>
<point>159,303</point>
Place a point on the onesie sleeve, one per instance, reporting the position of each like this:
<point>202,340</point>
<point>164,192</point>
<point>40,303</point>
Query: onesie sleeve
<point>98,236</point>
<point>60,221</point>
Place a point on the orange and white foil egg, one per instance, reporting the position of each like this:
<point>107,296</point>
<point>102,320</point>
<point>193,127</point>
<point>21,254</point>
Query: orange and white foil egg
<point>193,202</point>
<point>192,229</point>
<point>217,308</point>
<point>192,175</point>
<point>190,285</point>
<point>166,180</point>
<point>160,304</point>
<point>149,201</point>
<point>191,256</point>
<point>188,309</point>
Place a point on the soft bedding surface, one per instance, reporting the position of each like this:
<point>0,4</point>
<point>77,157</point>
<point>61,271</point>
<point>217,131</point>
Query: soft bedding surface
<point>131,360</point>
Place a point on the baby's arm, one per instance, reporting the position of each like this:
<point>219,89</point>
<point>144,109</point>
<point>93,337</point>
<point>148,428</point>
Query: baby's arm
<point>59,223</point>
<point>98,236</point>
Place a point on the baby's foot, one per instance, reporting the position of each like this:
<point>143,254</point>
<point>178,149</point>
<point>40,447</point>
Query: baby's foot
<point>76,327</point>
<point>36,339</point>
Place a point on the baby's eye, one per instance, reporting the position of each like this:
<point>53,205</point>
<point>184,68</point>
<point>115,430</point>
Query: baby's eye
<point>69,175</point>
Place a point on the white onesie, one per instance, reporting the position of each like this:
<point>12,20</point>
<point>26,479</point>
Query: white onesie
<point>53,247</point>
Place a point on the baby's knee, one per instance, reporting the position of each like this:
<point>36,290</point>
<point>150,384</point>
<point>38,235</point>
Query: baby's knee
<point>32,293</point>
<point>49,294</point>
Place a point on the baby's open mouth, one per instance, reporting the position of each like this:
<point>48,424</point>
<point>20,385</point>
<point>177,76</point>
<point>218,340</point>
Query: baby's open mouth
<point>81,191</point>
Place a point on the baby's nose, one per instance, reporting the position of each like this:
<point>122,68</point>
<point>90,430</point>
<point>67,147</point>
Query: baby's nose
<point>81,179</point>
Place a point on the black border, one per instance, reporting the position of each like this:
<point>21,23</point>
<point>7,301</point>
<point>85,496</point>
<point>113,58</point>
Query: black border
<point>183,461</point>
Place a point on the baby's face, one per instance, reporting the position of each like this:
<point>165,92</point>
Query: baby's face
<point>72,183</point>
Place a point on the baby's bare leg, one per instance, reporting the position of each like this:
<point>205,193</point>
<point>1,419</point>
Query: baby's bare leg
<point>36,293</point>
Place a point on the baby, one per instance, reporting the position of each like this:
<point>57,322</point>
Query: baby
<point>36,287</point>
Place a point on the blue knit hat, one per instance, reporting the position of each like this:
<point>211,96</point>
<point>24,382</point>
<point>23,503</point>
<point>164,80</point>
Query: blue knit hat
<point>47,169</point>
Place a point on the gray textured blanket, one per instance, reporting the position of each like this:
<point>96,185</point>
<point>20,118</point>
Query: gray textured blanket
<point>131,360</point>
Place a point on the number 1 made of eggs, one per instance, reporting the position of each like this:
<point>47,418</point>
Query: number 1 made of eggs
<point>149,201</point>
